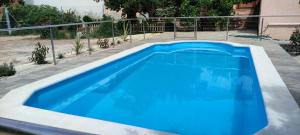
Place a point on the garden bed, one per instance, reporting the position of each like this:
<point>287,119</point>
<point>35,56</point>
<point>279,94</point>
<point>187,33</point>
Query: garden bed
<point>293,50</point>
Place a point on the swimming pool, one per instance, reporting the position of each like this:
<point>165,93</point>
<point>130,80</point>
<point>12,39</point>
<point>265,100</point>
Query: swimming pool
<point>183,88</point>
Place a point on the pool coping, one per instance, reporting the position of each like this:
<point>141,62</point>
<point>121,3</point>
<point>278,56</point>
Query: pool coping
<point>281,108</point>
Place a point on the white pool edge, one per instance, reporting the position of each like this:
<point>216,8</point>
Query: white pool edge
<point>280,106</point>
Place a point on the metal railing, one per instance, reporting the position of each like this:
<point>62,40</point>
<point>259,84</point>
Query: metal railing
<point>164,24</point>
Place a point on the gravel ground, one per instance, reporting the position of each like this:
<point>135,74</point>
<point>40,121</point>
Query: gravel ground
<point>17,49</point>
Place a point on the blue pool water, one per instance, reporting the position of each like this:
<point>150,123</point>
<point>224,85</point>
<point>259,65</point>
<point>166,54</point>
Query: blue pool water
<point>185,88</point>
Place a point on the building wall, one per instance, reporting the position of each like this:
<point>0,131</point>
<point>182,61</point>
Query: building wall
<point>246,8</point>
<point>82,7</point>
<point>279,27</point>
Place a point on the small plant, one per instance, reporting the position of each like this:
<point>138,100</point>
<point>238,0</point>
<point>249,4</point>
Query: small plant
<point>295,37</point>
<point>7,70</point>
<point>103,42</point>
<point>125,31</point>
<point>78,46</point>
<point>118,42</point>
<point>60,56</point>
<point>39,54</point>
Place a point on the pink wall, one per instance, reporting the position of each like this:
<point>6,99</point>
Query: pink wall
<point>279,27</point>
<point>245,8</point>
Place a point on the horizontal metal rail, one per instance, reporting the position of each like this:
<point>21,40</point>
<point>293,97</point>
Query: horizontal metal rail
<point>53,26</point>
<point>162,18</point>
<point>240,16</point>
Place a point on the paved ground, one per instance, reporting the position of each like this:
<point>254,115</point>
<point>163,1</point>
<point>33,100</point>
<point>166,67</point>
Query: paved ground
<point>287,66</point>
<point>297,58</point>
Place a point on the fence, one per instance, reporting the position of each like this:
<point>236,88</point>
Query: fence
<point>61,37</point>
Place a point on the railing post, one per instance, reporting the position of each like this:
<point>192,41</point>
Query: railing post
<point>87,32</point>
<point>163,26</point>
<point>195,28</point>
<point>7,20</point>
<point>130,31</point>
<point>174,28</point>
<point>144,29</point>
<point>261,29</point>
<point>52,46</point>
<point>227,28</point>
<point>113,31</point>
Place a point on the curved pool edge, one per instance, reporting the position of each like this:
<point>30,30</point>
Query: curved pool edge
<point>279,104</point>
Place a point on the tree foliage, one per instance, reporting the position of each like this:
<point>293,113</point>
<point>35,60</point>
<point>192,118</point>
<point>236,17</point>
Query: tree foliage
<point>103,30</point>
<point>295,37</point>
<point>87,18</point>
<point>41,15</point>
<point>9,2</point>
<point>131,7</point>
<point>32,15</point>
<point>173,7</point>
<point>4,2</point>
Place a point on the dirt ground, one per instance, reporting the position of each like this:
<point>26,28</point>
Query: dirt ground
<point>18,49</point>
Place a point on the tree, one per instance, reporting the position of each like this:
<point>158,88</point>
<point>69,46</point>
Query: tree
<point>4,2</point>
<point>168,8</point>
<point>189,8</point>
<point>9,2</point>
<point>37,15</point>
<point>129,8</point>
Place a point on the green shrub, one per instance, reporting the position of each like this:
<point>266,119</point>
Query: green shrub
<point>295,37</point>
<point>70,17</point>
<point>78,46</point>
<point>60,56</point>
<point>28,15</point>
<point>7,70</point>
<point>45,33</point>
<point>103,43</point>
<point>66,33</point>
<point>87,19</point>
<point>32,15</point>
<point>104,29</point>
<point>118,42</point>
<point>39,54</point>
<point>36,15</point>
